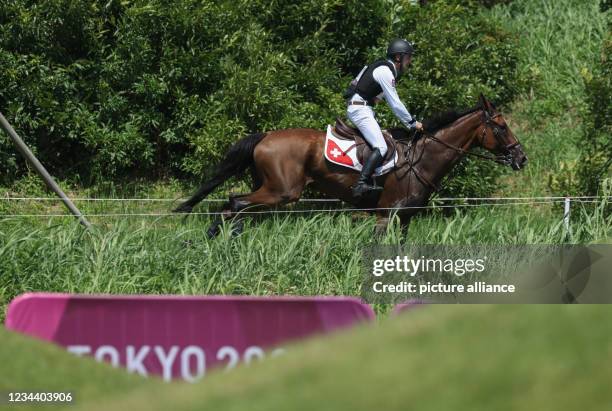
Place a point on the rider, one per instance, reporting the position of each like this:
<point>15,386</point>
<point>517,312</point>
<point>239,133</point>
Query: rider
<point>374,82</point>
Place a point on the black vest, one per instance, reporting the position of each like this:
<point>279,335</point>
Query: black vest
<point>367,87</point>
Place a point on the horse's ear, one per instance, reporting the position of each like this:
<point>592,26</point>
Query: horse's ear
<point>485,104</point>
<point>482,101</point>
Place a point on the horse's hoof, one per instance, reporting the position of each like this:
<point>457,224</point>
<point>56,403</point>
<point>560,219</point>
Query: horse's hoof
<point>380,230</point>
<point>358,216</point>
<point>236,204</point>
<point>237,228</point>
<point>213,230</point>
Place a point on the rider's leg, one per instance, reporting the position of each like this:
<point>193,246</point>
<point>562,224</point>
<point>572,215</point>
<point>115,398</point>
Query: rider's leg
<point>363,118</point>
<point>363,183</point>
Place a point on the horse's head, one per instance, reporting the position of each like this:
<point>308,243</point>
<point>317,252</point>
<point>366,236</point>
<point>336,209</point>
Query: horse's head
<point>497,137</point>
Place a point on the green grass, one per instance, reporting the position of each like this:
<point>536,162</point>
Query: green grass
<point>32,365</point>
<point>298,255</point>
<point>560,45</point>
<point>433,358</point>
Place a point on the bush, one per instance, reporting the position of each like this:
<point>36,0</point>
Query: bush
<point>485,3</point>
<point>157,87</point>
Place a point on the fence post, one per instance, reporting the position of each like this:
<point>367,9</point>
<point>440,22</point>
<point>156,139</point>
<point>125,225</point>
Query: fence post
<point>25,151</point>
<point>566,214</point>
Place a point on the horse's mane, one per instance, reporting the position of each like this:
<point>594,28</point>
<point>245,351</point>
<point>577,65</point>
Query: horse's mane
<point>439,120</point>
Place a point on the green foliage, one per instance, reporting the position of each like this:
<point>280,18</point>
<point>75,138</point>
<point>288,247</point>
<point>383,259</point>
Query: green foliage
<point>595,162</point>
<point>465,54</point>
<point>485,3</point>
<point>559,39</point>
<point>586,174</point>
<point>460,53</point>
<point>472,177</point>
<point>152,88</point>
<point>283,254</point>
<point>142,88</point>
<point>559,47</point>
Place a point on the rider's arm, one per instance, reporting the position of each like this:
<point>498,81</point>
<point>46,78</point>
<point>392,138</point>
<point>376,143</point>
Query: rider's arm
<point>384,77</point>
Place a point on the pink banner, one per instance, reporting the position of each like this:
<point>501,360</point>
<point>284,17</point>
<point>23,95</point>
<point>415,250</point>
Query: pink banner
<point>407,306</point>
<point>179,337</point>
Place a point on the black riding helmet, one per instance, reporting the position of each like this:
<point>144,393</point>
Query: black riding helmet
<point>399,46</point>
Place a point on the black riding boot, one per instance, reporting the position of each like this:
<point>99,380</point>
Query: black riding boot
<point>362,187</point>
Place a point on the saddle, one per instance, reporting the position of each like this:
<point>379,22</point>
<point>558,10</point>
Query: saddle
<point>345,132</point>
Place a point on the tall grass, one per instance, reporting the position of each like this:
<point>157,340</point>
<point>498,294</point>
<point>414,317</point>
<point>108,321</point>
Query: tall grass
<point>560,43</point>
<point>284,254</point>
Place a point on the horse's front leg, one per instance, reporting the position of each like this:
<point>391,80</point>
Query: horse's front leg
<point>384,219</point>
<point>382,222</point>
<point>388,206</point>
<point>405,219</point>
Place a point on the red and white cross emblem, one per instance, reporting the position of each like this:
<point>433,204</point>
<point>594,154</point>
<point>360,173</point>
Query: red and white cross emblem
<point>337,155</point>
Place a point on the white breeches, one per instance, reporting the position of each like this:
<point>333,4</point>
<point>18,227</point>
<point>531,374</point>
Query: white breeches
<point>363,118</point>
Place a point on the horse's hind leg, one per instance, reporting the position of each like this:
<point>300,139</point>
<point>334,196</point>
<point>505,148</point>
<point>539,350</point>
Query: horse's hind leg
<point>264,198</point>
<point>256,180</point>
<point>276,181</point>
<point>215,226</point>
<point>255,201</point>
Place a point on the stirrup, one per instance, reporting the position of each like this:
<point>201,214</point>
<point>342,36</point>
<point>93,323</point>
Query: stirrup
<point>362,188</point>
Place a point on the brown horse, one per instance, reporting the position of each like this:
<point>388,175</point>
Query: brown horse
<point>283,162</point>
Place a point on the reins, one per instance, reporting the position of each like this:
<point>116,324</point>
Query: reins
<point>504,159</point>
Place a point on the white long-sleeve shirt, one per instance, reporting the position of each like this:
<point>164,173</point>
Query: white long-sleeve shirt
<point>385,78</point>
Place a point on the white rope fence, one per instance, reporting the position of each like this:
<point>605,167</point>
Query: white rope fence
<point>309,200</point>
<point>483,202</point>
<point>166,200</point>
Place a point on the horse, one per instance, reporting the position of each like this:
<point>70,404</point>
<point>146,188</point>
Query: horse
<point>284,162</point>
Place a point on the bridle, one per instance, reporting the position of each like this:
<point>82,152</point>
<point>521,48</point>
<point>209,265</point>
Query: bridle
<point>501,136</point>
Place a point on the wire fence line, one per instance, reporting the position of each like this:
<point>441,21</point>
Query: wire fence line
<point>548,200</point>
<point>312,200</point>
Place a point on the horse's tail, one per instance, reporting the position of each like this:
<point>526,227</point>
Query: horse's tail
<point>237,159</point>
